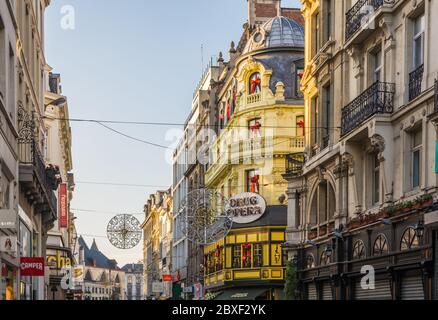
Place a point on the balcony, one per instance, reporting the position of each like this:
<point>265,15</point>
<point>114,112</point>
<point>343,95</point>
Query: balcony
<point>359,15</point>
<point>254,98</point>
<point>294,164</point>
<point>37,181</point>
<point>415,81</point>
<point>377,99</point>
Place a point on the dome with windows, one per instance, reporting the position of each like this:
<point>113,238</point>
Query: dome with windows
<point>277,32</point>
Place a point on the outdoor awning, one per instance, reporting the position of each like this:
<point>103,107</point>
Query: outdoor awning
<point>242,294</point>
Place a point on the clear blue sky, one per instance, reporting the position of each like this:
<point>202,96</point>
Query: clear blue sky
<point>131,60</point>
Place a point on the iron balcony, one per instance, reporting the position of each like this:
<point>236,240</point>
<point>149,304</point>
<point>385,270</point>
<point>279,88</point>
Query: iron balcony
<point>377,99</point>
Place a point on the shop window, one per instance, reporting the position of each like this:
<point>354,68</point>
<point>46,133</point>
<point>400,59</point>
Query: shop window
<point>277,255</point>
<point>380,246</point>
<point>237,262</point>
<point>359,250</point>
<point>255,83</point>
<point>255,128</point>
<point>253,181</point>
<point>246,255</point>
<point>258,255</point>
<point>409,240</point>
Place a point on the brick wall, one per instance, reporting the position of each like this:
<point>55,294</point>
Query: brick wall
<point>265,10</point>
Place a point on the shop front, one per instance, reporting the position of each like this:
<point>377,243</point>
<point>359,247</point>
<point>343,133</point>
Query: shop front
<point>59,261</point>
<point>249,263</point>
<point>8,286</point>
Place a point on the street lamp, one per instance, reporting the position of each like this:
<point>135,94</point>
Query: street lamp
<point>419,229</point>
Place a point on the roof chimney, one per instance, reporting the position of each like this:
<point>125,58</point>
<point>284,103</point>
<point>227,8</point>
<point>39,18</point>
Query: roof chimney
<point>260,11</point>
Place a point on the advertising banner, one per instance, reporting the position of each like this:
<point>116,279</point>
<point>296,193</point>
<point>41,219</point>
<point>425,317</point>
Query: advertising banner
<point>8,244</point>
<point>62,199</point>
<point>8,219</point>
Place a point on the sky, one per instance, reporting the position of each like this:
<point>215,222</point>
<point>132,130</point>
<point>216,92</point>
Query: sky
<point>134,60</point>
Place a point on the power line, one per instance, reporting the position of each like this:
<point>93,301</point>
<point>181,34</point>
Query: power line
<point>120,184</point>
<point>133,138</point>
<point>183,124</point>
<point>104,212</point>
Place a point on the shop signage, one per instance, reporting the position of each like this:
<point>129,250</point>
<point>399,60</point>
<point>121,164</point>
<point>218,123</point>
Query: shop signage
<point>78,273</point>
<point>157,287</point>
<point>62,199</point>
<point>59,260</point>
<point>246,207</point>
<point>167,278</point>
<point>188,289</point>
<point>32,266</point>
<point>8,244</point>
<point>8,219</point>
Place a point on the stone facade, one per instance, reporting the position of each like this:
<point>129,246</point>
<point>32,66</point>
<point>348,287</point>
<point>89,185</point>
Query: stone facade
<point>368,180</point>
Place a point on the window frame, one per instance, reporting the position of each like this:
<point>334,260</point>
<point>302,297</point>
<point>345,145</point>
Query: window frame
<point>416,36</point>
<point>416,149</point>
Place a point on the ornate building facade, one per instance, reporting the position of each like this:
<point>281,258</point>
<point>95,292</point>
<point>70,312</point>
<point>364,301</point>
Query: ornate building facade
<point>363,193</point>
<point>157,247</point>
<point>260,119</point>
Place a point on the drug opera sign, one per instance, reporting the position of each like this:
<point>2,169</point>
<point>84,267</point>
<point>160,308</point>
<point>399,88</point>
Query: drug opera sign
<point>246,207</point>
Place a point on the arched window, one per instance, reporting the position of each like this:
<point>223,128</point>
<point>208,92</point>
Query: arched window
<point>380,245</point>
<point>409,239</point>
<point>325,259</point>
<point>310,261</point>
<point>255,83</point>
<point>359,250</point>
<point>323,206</point>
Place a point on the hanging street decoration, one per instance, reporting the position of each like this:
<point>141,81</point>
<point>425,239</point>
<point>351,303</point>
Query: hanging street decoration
<point>204,219</point>
<point>124,231</point>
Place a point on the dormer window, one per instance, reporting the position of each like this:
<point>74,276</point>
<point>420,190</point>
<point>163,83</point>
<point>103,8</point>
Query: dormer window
<point>255,83</point>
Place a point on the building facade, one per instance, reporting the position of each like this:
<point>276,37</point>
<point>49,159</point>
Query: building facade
<point>202,120</point>
<point>60,243</point>
<point>9,225</point>
<point>157,246</point>
<point>363,193</point>
<point>134,281</point>
<point>103,279</point>
<point>260,117</point>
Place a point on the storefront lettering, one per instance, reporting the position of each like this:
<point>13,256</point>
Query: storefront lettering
<point>246,207</point>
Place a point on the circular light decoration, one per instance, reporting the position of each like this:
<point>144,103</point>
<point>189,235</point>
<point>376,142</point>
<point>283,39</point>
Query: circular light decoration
<point>203,218</point>
<point>124,231</point>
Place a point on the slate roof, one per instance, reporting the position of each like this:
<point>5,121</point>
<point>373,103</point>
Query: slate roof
<point>95,258</point>
<point>133,268</point>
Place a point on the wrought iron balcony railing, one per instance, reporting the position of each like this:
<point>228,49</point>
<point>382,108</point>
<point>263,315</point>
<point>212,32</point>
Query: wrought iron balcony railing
<point>415,81</point>
<point>377,99</point>
<point>31,157</point>
<point>436,96</point>
<point>294,164</point>
<point>359,15</point>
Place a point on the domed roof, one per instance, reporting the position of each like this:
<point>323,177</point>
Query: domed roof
<point>278,32</point>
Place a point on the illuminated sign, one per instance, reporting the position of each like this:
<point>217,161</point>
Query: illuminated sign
<point>246,207</point>
<point>8,244</point>
<point>62,199</point>
<point>59,260</point>
<point>8,219</point>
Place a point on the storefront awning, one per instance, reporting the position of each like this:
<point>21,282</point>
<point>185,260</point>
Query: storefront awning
<point>242,294</point>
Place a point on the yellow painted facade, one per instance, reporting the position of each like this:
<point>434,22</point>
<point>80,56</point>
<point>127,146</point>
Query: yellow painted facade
<point>238,150</point>
<point>265,256</point>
